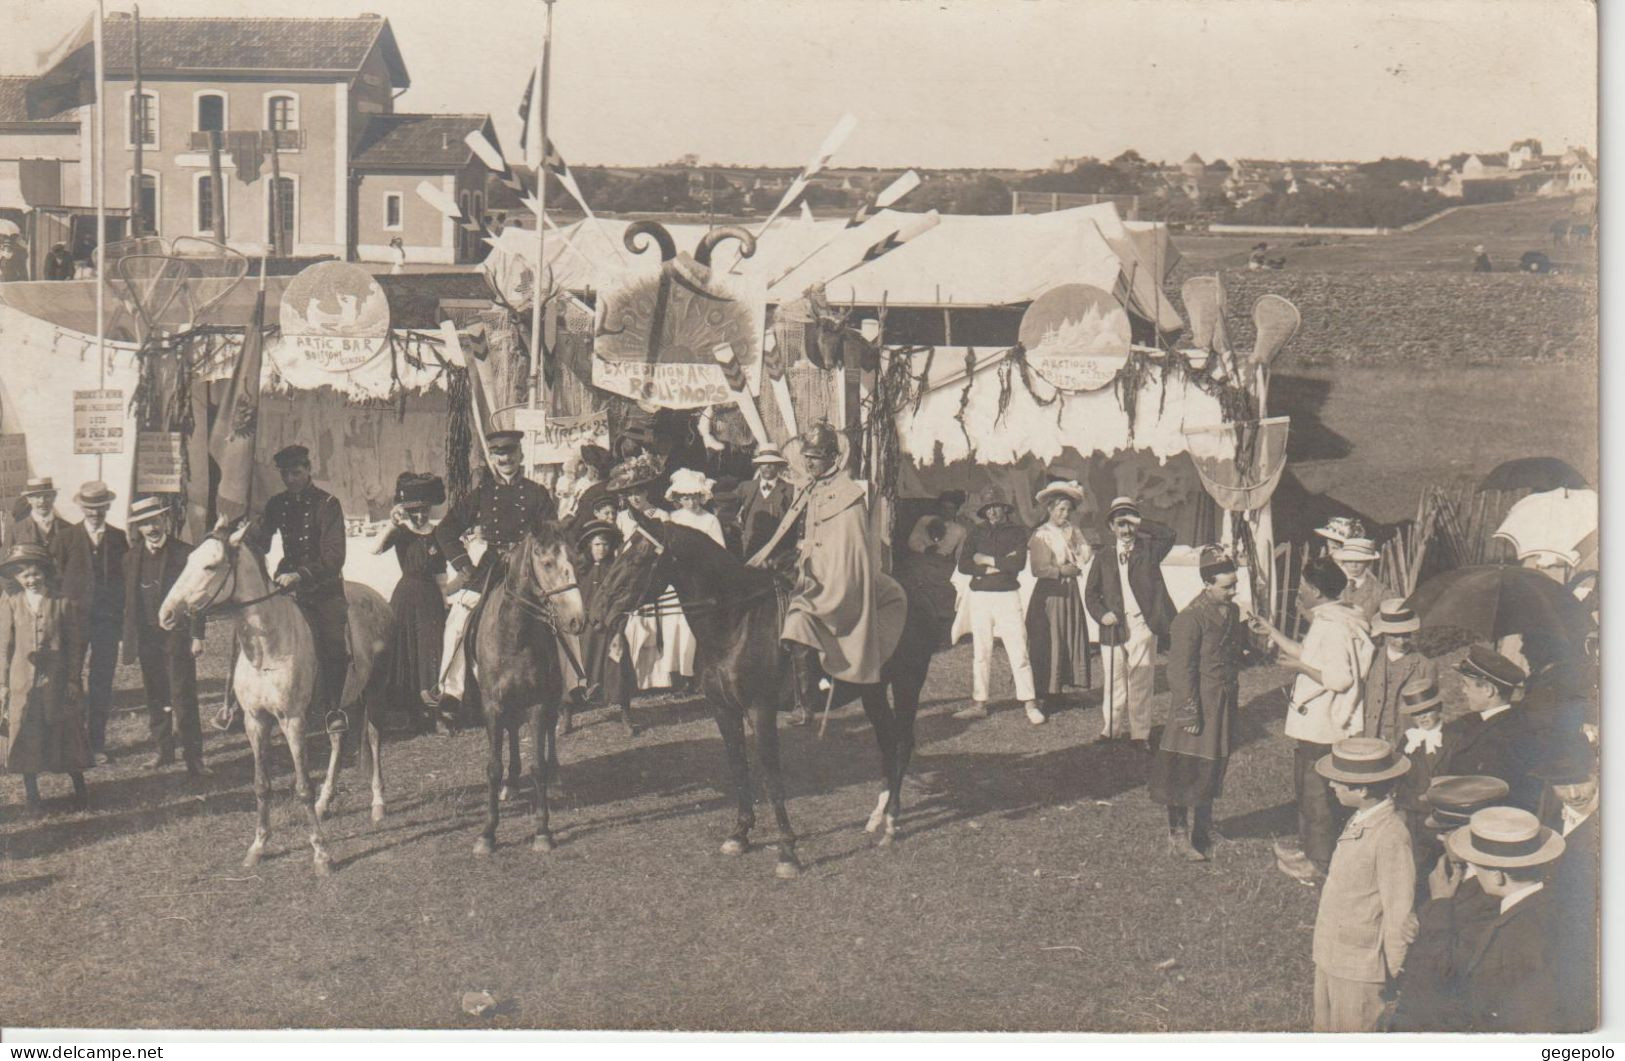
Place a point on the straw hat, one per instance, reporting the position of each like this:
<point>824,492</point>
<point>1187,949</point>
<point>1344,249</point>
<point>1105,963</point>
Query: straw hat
<point>1362,761</point>
<point>1505,838</point>
<point>1123,506</point>
<point>41,485</point>
<point>1356,549</point>
<point>689,481</point>
<point>1419,694</point>
<point>769,455</point>
<point>1395,617</point>
<point>631,474</point>
<point>1062,488</point>
<point>146,510</point>
<point>94,494</point>
<point>23,555</point>
<point>1341,528</point>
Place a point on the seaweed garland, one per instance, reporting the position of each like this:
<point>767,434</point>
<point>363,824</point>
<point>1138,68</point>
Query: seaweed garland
<point>459,434</point>
<point>964,398</point>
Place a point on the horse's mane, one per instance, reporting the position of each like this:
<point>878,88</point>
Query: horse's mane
<point>700,547</point>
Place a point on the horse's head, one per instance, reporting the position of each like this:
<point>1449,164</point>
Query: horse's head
<point>637,576</point>
<point>550,568</point>
<point>210,577</point>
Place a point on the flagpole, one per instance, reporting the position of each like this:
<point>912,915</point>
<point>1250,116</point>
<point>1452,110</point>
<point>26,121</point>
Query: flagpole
<point>536,293</point>
<point>99,134</point>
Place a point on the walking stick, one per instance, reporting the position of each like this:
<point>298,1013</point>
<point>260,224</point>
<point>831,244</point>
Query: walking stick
<point>1109,701</point>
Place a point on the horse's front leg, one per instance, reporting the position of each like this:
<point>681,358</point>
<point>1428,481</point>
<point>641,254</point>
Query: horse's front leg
<point>767,753</point>
<point>510,786</point>
<point>487,841</point>
<point>731,722</point>
<point>543,724</point>
<point>258,742</point>
<point>878,709</point>
<point>371,762</point>
<point>294,730</point>
<point>330,783</point>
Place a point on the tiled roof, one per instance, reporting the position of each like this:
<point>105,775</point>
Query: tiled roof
<point>417,141</point>
<point>13,107</point>
<point>244,45</point>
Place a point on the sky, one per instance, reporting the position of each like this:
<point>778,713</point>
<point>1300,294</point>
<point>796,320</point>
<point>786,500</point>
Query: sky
<point>979,83</point>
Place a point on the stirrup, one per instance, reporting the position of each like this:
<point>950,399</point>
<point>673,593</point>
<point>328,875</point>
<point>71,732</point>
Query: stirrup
<point>338,721</point>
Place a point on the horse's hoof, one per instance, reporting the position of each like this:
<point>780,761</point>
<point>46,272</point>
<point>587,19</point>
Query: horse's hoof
<point>322,807</point>
<point>252,859</point>
<point>505,795</point>
<point>733,846</point>
<point>543,843</point>
<point>787,870</point>
<point>377,812</point>
<point>483,846</point>
<point>324,864</point>
<point>890,836</point>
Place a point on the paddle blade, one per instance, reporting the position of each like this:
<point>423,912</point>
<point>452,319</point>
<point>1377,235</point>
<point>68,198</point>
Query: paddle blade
<point>832,143</point>
<point>1204,307</point>
<point>1276,321</point>
<point>486,151</point>
<point>438,199</point>
<point>897,189</point>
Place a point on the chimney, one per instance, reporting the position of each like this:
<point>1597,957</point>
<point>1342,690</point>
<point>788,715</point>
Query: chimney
<point>445,141</point>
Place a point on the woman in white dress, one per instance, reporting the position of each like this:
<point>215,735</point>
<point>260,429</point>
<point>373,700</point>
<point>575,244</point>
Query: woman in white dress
<point>652,639</point>
<point>689,491</point>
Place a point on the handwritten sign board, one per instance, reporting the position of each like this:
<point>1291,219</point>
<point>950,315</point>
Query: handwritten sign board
<point>554,440</point>
<point>335,315</point>
<point>670,385</point>
<point>98,421</point>
<point>13,467</point>
<point>335,353</point>
<point>158,462</point>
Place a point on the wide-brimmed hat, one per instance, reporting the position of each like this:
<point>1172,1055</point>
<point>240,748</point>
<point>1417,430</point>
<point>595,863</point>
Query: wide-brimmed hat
<point>1341,528</point>
<point>769,455</point>
<point>1395,617</point>
<point>1362,761</point>
<point>1574,763</point>
<point>146,510</point>
<point>1486,664</point>
<point>596,457</point>
<point>94,494</point>
<point>413,490</point>
<point>1505,838</point>
<point>1356,549</point>
<point>1059,489</point>
<point>35,487</point>
<point>690,481</point>
<point>1419,694</point>
<point>24,555</point>
<point>1456,799</point>
<point>598,529</point>
<point>288,456</point>
<point>992,497</point>
<point>633,473</point>
<point>1123,506</point>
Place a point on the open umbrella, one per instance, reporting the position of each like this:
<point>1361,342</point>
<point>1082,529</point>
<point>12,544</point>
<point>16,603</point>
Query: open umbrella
<point>1534,473</point>
<point>1498,600</point>
<point>1555,522</point>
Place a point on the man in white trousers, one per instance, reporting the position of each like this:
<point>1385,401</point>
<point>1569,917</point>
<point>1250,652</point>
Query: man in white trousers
<point>1128,598</point>
<point>993,555</point>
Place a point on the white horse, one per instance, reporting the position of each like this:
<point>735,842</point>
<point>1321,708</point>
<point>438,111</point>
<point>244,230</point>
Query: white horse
<point>276,669</point>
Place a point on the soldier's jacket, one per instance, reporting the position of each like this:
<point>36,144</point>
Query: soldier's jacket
<point>311,523</point>
<point>502,511</point>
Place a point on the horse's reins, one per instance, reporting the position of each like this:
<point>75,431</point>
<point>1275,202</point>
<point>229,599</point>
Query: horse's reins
<point>657,610</point>
<point>538,604</point>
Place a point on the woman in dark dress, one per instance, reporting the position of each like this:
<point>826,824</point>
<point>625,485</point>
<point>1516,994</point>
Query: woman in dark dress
<point>1057,634</point>
<point>607,657</point>
<point>418,603</point>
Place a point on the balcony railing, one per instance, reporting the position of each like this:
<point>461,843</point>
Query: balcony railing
<point>285,139</point>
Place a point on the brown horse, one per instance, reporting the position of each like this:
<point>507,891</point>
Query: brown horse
<point>530,598</point>
<point>734,611</point>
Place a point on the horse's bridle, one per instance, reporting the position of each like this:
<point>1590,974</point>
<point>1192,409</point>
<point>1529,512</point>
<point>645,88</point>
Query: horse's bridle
<point>538,604</point>
<point>228,585</point>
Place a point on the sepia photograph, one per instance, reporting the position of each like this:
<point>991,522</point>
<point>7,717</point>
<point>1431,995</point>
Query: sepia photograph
<point>774,516</point>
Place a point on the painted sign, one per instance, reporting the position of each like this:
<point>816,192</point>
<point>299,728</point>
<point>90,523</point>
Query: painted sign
<point>680,385</point>
<point>1076,337</point>
<point>13,467</point>
<point>336,316</point>
<point>556,439</point>
<point>98,421</point>
<point>158,462</point>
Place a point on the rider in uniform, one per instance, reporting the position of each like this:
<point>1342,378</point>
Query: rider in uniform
<point>311,523</point>
<point>504,507</point>
<point>844,611</point>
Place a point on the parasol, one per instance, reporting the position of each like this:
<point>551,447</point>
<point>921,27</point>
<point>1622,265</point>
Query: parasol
<point>1556,522</point>
<point>1499,600</point>
<point>1534,473</point>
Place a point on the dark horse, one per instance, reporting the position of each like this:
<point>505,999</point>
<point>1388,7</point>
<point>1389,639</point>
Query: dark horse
<point>529,599</point>
<point>734,611</point>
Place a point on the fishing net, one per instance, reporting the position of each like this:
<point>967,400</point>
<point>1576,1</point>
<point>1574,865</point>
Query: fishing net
<point>1276,321</point>
<point>168,289</point>
<point>1203,297</point>
<point>1240,463</point>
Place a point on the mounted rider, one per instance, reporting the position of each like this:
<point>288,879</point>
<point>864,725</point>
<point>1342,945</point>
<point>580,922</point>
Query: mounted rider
<point>505,506</point>
<point>311,523</point>
<point>844,611</point>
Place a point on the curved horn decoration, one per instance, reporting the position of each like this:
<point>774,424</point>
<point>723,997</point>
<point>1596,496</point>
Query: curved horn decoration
<point>658,236</point>
<point>708,242</point>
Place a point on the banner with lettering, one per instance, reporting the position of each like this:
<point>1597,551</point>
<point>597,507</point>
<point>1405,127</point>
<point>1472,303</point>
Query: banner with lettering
<point>98,421</point>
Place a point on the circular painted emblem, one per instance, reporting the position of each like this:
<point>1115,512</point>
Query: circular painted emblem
<point>1076,337</point>
<point>335,316</point>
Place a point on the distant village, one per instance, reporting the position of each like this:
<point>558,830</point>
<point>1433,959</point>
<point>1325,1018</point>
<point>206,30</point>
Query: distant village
<point>282,136</point>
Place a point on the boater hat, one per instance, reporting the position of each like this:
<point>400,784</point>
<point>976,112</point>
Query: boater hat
<point>769,455</point>
<point>1362,761</point>
<point>24,555</point>
<point>1356,549</point>
<point>94,494</point>
<point>1419,694</point>
<point>1395,617</point>
<point>1505,838</point>
<point>146,510</point>
<point>1486,664</point>
<point>41,485</point>
<point>1123,506</point>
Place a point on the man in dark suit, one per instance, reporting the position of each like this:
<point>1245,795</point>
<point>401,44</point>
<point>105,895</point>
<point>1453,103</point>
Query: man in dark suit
<point>41,525</point>
<point>311,523</point>
<point>168,658</point>
<point>1572,775</point>
<point>766,499</point>
<point>95,579</point>
<point>1132,620</point>
<point>1494,739</point>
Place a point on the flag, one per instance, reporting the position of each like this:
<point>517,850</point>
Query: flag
<point>524,115</point>
<point>69,79</point>
<point>236,425</point>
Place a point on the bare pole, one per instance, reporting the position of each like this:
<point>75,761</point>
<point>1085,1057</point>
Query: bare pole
<point>538,379</point>
<point>138,219</point>
<point>99,135</point>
